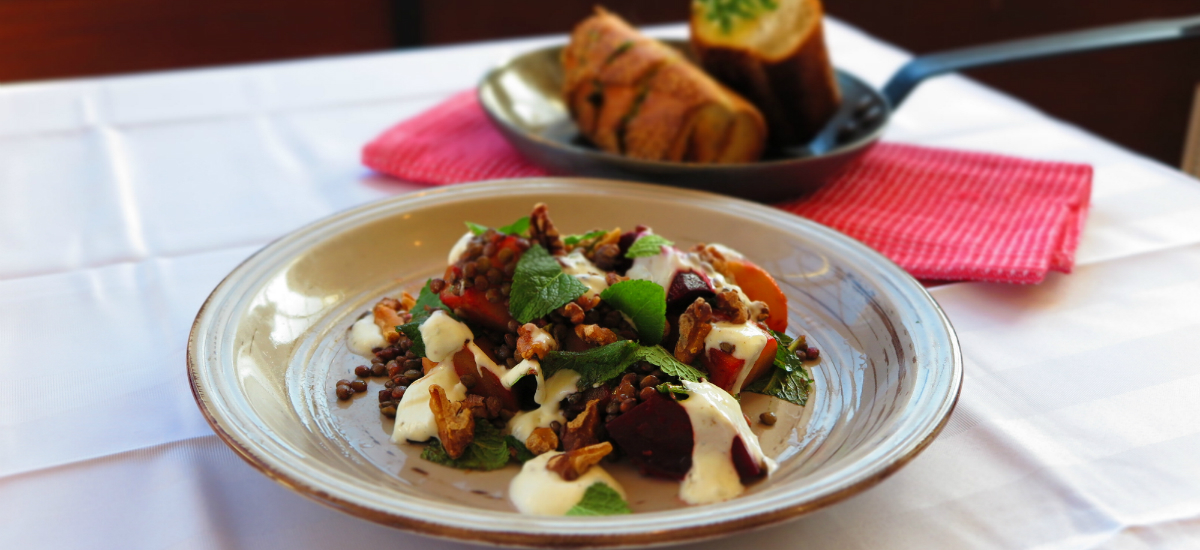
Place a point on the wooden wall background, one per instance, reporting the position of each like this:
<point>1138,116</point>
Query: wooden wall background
<point>1140,97</point>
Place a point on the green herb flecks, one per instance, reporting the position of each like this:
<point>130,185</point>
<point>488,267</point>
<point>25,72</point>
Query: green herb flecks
<point>727,12</point>
<point>646,305</point>
<point>647,245</point>
<point>600,500</point>
<point>539,286</point>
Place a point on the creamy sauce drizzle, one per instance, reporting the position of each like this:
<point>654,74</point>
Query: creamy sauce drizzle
<point>716,419</point>
<point>578,266</point>
<point>414,419</point>
<point>748,343</point>
<point>557,388</point>
<point>365,336</point>
<point>443,336</point>
<point>541,492</point>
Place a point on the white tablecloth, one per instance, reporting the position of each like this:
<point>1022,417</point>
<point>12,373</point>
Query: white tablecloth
<point>124,201</point>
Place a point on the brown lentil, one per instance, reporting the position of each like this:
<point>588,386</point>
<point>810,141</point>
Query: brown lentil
<point>398,392</point>
<point>385,396</point>
<point>813,353</point>
<point>362,370</point>
<point>344,392</point>
<point>468,380</point>
<point>767,418</point>
<point>358,386</point>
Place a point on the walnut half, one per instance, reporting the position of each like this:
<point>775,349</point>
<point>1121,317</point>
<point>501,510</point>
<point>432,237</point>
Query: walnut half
<point>572,464</point>
<point>694,327</point>
<point>541,441</point>
<point>455,423</point>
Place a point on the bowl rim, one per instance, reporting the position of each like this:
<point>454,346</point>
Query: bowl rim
<point>233,436</point>
<point>491,79</point>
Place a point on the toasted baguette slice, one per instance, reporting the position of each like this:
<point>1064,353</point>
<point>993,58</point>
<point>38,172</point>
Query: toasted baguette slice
<point>776,58</point>
<point>633,95</point>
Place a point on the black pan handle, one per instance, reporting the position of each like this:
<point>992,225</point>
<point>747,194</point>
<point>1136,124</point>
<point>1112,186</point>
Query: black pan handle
<point>925,66</point>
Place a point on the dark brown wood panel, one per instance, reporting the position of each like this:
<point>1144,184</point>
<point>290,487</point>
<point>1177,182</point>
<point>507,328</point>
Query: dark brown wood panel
<point>1139,97</point>
<point>467,20</point>
<point>42,39</point>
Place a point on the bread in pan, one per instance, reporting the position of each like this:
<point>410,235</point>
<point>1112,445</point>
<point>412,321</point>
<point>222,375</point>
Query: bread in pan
<point>633,95</point>
<point>773,53</point>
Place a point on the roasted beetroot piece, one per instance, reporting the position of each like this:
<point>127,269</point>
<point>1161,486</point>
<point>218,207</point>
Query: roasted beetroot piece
<point>474,306</point>
<point>657,437</point>
<point>748,469</point>
<point>687,286</point>
<point>723,368</point>
<point>484,382</point>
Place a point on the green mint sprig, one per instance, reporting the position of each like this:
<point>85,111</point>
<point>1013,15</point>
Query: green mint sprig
<point>645,302</point>
<point>539,286</point>
<point>647,245</point>
<point>600,500</point>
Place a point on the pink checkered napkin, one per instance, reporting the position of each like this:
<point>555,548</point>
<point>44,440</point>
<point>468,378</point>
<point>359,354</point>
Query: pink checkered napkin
<point>938,213</point>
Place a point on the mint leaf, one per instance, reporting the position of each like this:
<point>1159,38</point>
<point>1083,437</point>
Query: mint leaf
<point>572,240</point>
<point>427,303</point>
<point>488,451</point>
<point>519,228</point>
<point>413,331</point>
<point>539,286</point>
<point>788,380</point>
<point>647,245</point>
<point>594,365</point>
<point>517,450</point>
<point>645,303</point>
<point>605,363</point>
<point>664,360</point>
<point>786,358</point>
<point>476,228</point>
<point>600,500</point>
<point>672,388</point>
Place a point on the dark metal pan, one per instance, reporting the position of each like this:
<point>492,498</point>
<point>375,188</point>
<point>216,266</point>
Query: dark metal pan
<point>523,98</point>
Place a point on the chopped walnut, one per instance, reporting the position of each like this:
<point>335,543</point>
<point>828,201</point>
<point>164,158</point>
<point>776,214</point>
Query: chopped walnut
<point>455,423</point>
<point>595,334</point>
<point>731,305</point>
<point>694,327</point>
<point>477,405</point>
<point>407,301</point>
<point>572,464</point>
<point>583,430</point>
<point>572,312</point>
<point>588,301</point>
<point>612,278</point>
<point>714,258</point>
<point>534,342</point>
<point>543,232</point>
<point>389,314</point>
<point>542,441</point>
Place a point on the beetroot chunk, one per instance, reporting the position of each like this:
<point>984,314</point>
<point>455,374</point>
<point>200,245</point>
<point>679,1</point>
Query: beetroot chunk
<point>687,286</point>
<point>657,437</point>
<point>748,469</point>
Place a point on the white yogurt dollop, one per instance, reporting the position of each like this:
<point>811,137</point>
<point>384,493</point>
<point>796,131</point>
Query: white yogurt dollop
<point>541,492</point>
<point>414,418</point>
<point>459,247</point>
<point>365,336</point>
<point>716,419</point>
<point>443,336</point>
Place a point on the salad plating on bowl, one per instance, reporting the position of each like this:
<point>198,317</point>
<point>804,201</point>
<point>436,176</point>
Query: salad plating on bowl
<point>569,352</point>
